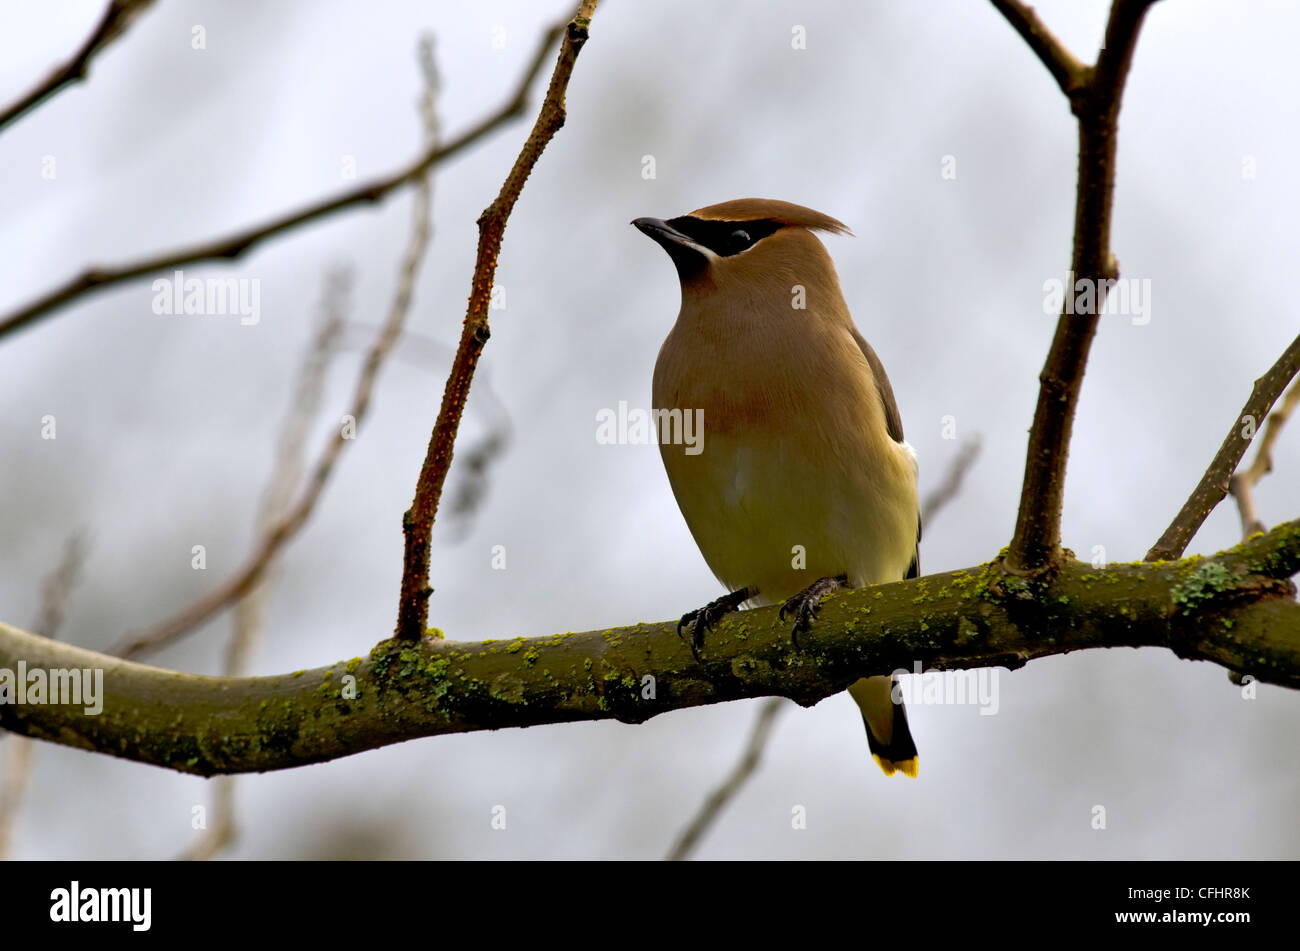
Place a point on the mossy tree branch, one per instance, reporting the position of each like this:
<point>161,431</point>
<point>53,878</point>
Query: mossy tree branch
<point>1237,609</point>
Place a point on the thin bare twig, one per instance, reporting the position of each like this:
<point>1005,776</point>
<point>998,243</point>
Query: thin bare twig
<point>1036,544</point>
<point>287,474</point>
<point>718,799</point>
<point>947,490</point>
<point>56,593</point>
<point>232,246</point>
<point>1213,486</point>
<point>117,18</point>
<point>417,523</point>
<point>1069,73</point>
<point>1242,484</point>
<point>287,525</point>
<point>469,478</point>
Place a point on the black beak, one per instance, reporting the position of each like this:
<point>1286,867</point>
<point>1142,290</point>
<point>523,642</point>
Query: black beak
<point>686,256</point>
<point>659,230</point>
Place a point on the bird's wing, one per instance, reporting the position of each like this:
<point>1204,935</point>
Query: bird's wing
<point>893,424</point>
<point>893,421</point>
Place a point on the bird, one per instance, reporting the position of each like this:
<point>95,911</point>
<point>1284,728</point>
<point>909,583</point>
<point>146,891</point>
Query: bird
<point>802,472</point>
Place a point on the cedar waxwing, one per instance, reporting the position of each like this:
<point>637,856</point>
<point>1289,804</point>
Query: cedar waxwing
<point>802,473</point>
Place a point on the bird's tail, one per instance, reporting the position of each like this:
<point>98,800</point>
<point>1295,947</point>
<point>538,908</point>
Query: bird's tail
<point>888,736</point>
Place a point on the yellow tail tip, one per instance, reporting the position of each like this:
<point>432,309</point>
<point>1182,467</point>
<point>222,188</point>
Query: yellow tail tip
<point>908,767</point>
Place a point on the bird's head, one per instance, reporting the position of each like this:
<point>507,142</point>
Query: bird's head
<point>744,242</point>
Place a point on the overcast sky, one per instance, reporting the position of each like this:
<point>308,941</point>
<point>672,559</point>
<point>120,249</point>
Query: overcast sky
<point>166,425</point>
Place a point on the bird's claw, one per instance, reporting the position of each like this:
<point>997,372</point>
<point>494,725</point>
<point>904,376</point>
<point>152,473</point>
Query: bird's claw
<point>702,619</point>
<point>804,609</point>
<point>808,603</point>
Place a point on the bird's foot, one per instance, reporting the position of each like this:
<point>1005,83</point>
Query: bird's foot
<point>805,605</point>
<point>699,621</point>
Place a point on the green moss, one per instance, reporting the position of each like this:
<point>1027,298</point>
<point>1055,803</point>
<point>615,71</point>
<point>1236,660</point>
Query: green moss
<point>1202,583</point>
<point>436,668</point>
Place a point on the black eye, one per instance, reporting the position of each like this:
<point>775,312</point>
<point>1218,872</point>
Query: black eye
<point>740,240</point>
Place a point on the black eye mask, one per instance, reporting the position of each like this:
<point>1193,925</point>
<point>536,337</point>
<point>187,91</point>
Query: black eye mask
<point>724,238</point>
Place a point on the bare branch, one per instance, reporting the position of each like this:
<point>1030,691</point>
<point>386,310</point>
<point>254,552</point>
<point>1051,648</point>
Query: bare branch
<point>718,799</point>
<point>1036,545</point>
<point>1214,484</point>
<point>219,832</point>
<point>417,524</point>
<point>56,593</point>
<point>950,487</point>
<point>1242,484</point>
<point>117,19</point>
<point>287,526</point>
<point>232,246</point>
<point>17,755</point>
<point>1069,73</point>
<point>287,473</point>
<point>468,479</point>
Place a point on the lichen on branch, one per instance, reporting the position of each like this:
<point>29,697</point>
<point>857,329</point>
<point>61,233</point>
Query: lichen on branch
<point>1237,609</point>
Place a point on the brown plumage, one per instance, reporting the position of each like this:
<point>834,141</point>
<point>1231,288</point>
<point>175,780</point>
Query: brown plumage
<point>804,474</point>
<point>752,209</point>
